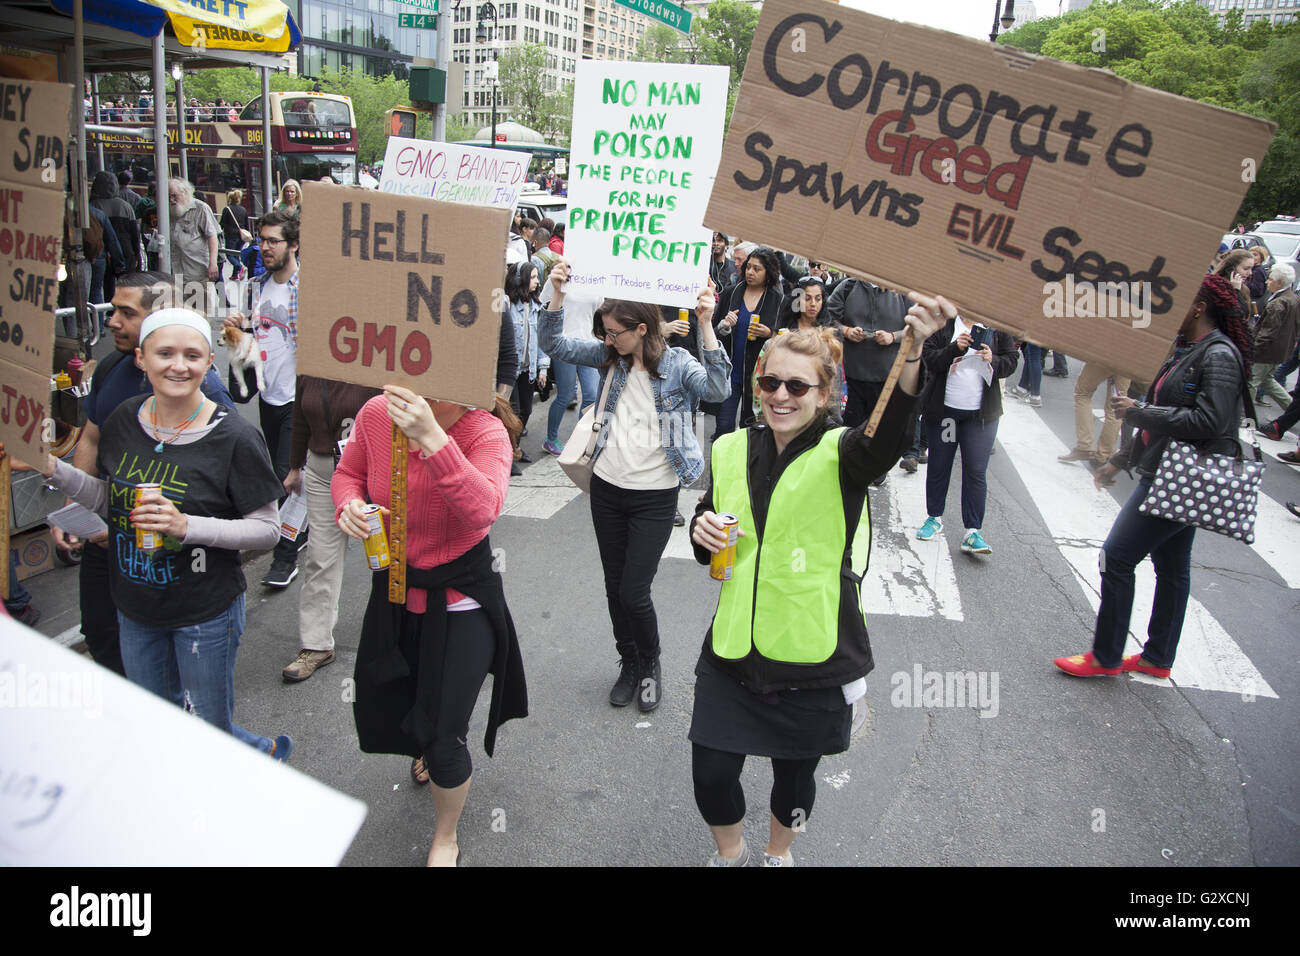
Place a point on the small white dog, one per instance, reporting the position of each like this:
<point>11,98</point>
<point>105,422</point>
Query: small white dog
<point>244,354</point>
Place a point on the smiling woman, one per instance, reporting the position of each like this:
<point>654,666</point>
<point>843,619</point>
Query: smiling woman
<point>188,484</point>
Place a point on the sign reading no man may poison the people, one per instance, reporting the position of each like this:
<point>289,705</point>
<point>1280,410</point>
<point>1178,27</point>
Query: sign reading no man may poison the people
<point>646,142</point>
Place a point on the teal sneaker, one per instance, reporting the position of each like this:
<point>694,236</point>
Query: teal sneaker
<point>931,527</point>
<point>974,543</point>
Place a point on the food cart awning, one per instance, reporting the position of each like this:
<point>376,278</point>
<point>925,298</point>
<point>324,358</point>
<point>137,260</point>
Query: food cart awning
<point>261,25</point>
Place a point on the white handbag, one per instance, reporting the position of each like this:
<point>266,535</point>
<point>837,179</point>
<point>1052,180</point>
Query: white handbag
<point>577,459</point>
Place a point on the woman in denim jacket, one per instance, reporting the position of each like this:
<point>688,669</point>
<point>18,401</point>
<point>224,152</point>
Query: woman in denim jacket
<point>646,449</point>
<point>521,289</point>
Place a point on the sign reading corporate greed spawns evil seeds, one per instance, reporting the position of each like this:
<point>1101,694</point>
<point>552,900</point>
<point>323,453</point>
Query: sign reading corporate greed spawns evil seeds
<point>646,141</point>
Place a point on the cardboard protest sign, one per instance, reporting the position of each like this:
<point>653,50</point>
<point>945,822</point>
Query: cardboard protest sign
<point>31,223</point>
<point>24,407</point>
<point>34,132</point>
<point>1059,203</point>
<point>400,289</point>
<point>646,141</point>
<point>453,173</point>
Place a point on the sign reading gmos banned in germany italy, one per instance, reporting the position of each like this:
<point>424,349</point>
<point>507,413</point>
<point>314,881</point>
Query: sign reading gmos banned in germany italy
<point>1062,204</point>
<point>403,290</point>
<point>453,173</point>
<point>646,141</point>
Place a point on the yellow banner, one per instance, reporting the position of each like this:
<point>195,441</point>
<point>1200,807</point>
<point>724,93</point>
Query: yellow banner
<point>199,34</point>
<point>264,17</point>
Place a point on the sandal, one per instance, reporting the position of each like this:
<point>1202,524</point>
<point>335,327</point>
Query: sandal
<point>419,772</point>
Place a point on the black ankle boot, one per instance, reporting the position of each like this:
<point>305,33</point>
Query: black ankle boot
<point>650,690</point>
<point>629,676</point>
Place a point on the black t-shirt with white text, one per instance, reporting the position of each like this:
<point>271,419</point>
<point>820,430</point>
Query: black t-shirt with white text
<point>225,474</point>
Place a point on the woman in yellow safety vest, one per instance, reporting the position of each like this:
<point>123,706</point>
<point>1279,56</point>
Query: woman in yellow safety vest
<point>785,657</point>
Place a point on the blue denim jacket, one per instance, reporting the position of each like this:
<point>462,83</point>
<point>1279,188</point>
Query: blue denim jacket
<point>679,384</point>
<point>524,314</point>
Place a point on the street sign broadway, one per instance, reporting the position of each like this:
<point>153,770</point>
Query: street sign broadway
<point>430,5</point>
<point>676,17</point>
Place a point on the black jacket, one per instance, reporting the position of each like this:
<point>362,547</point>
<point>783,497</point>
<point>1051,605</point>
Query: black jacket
<point>722,273</point>
<point>1200,401</point>
<point>858,304</point>
<point>938,355</point>
<point>861,461</point>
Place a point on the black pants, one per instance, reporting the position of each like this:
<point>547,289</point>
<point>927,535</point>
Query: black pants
<point>721,800</point>
<point>98,612</point>
<point>522,399</point>
<point>468,653</point>
<point>277,429</point>
<point>862,400</point>
<point>632,530</point>
<point>1291,415</point>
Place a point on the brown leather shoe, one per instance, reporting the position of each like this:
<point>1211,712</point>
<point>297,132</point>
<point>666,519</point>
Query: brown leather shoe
<point>306,663</point>
<point>1078,454</point>
<point>1290,457</point>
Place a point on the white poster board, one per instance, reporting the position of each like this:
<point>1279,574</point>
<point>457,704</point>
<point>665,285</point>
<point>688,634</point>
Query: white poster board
<point>454,173</point>
<point>100,772</point>
<point>647,138</point>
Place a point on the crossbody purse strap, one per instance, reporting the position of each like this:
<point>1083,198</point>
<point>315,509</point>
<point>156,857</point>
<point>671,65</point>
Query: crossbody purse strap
<point>598,423</point>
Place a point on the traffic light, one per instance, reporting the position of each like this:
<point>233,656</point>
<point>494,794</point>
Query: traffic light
<point>401,122</point>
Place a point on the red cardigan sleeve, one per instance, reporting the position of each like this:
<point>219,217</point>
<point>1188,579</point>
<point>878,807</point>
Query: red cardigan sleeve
<point>473,470</point>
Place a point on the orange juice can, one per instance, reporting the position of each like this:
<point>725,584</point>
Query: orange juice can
<point>377,543</point>
<point>721,564</point>
<point>147,540</point>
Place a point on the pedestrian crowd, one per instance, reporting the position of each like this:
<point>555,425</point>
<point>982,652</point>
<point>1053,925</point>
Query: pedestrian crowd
<point>789,358</point>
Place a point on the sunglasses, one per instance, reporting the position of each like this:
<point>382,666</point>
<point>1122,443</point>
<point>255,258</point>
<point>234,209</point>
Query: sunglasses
<point>770,383</point>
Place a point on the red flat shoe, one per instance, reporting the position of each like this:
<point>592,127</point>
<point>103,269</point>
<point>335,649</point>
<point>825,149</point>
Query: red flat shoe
<point>1134,663</point>
<point>1083,665</point>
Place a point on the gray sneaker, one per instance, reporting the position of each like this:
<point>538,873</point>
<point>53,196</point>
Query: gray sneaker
<point>305,664</point>
<point>770,860</point>
<point>742,860</point>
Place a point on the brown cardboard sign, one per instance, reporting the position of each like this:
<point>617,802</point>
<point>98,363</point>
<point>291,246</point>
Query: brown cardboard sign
<point>1062,204</point>
<point>34,132</point>
<point>402,290</point>
<point>31,221</point>
<point>24,409</point>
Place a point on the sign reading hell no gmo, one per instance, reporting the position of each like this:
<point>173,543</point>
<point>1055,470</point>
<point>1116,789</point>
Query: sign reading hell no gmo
<point>401,290</point>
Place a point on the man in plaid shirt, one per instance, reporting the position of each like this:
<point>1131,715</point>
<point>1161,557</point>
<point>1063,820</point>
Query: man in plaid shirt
<point>274,323</point>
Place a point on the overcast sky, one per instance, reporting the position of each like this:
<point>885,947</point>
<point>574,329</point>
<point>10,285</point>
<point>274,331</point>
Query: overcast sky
<point>972,18</point>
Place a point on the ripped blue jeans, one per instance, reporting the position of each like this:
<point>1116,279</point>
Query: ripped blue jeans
<point>193,666</point>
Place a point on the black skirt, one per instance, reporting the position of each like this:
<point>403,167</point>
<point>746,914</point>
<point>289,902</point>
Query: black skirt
<point>787,725</point>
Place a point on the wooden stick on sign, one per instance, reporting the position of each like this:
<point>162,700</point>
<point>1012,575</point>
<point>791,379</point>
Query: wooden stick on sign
<point>888,389</point>
<point>4,522</point>
<point>397,518</point>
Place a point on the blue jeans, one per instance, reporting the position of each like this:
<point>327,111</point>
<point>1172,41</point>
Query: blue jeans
<point>727,413</point>
<point>19,597</point>
<point>963,430</point>
<point>1031,376</point>
<point>919,443</point>
<point>1286,368</point>
<point>566,377</point>
<point>1132,537</point>
<point>193,667</point>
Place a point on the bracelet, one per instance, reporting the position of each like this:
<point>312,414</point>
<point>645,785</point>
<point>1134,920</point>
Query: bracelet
<point>917,359</point>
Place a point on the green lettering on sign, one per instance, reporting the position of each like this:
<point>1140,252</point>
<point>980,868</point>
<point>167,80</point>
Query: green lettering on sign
<point>674,16</point>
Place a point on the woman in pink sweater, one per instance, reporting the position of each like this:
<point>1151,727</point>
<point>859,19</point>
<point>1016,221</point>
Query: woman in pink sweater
<point>420,666</point>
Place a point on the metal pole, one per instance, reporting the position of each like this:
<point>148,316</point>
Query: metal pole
<point>160,154</point>
<point>180,125</point>
<point>267,205</point>
<point>443,59</point>
<point>494,114</point>
<point>80,199</point>
<point>94,105</point>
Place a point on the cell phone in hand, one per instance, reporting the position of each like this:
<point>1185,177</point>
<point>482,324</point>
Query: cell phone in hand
<point>980,336</point>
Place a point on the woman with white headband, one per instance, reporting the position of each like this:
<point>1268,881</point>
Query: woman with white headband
<point>180,596</point>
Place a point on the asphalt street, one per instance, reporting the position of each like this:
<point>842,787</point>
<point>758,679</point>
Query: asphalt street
<point>1044,769</point>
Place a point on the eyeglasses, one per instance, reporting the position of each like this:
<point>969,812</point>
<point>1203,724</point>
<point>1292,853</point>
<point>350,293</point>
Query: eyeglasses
<point>270,241</point>
<point>770,383</point>
<point>615,335</point>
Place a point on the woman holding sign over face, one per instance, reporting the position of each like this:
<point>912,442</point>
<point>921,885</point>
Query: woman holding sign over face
<point>785,659</point>
<point>645,451</point>
<point>420,665</point>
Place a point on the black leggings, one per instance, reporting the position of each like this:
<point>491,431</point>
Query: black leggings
<point>721,800</point>
<point>469,648</point>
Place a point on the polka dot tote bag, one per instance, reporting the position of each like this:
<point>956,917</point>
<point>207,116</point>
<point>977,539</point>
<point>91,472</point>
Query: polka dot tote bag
<point>1219,493</point>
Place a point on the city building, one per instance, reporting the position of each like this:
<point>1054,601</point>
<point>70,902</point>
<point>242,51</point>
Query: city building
<point>360,35</point>
<point>1277,12</point>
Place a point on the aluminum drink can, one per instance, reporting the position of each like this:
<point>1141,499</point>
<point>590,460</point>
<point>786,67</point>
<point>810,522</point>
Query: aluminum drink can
<point>720,564</point>
<point>147,540</point>
<point>377,543</point>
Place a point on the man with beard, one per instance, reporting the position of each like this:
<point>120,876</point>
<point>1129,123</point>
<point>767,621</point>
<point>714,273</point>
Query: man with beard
<point>194,244</point>
<point>721,270</point>
<point>117,378</point>
<point>274,323</point>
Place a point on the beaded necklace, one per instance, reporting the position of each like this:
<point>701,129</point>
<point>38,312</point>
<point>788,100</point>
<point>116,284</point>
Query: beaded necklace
<point>180,428</point>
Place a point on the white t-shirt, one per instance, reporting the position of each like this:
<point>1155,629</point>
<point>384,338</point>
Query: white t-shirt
<point>579,308</point>
<point>277,337</point>
<point>965,389</point>
<point>632,456</point>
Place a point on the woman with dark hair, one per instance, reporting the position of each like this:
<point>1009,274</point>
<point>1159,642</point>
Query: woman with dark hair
<point>1196,398</point>
<point>645,450</point>
<point>751,311</point>
<point>525,305</point>
<point>1237,267</point>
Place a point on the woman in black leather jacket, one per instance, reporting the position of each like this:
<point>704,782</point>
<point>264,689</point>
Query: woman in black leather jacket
<point>1196,398</point>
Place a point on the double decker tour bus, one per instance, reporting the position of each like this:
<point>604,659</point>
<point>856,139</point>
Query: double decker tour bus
<point>313,135</point>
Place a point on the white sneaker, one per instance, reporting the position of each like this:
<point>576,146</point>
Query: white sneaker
<point>742,860</point>
<point>770,860</point>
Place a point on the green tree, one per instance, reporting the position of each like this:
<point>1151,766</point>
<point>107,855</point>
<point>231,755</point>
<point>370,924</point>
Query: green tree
<point>725,33</point>
<point>663,44</point>
<point>529,91</point>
